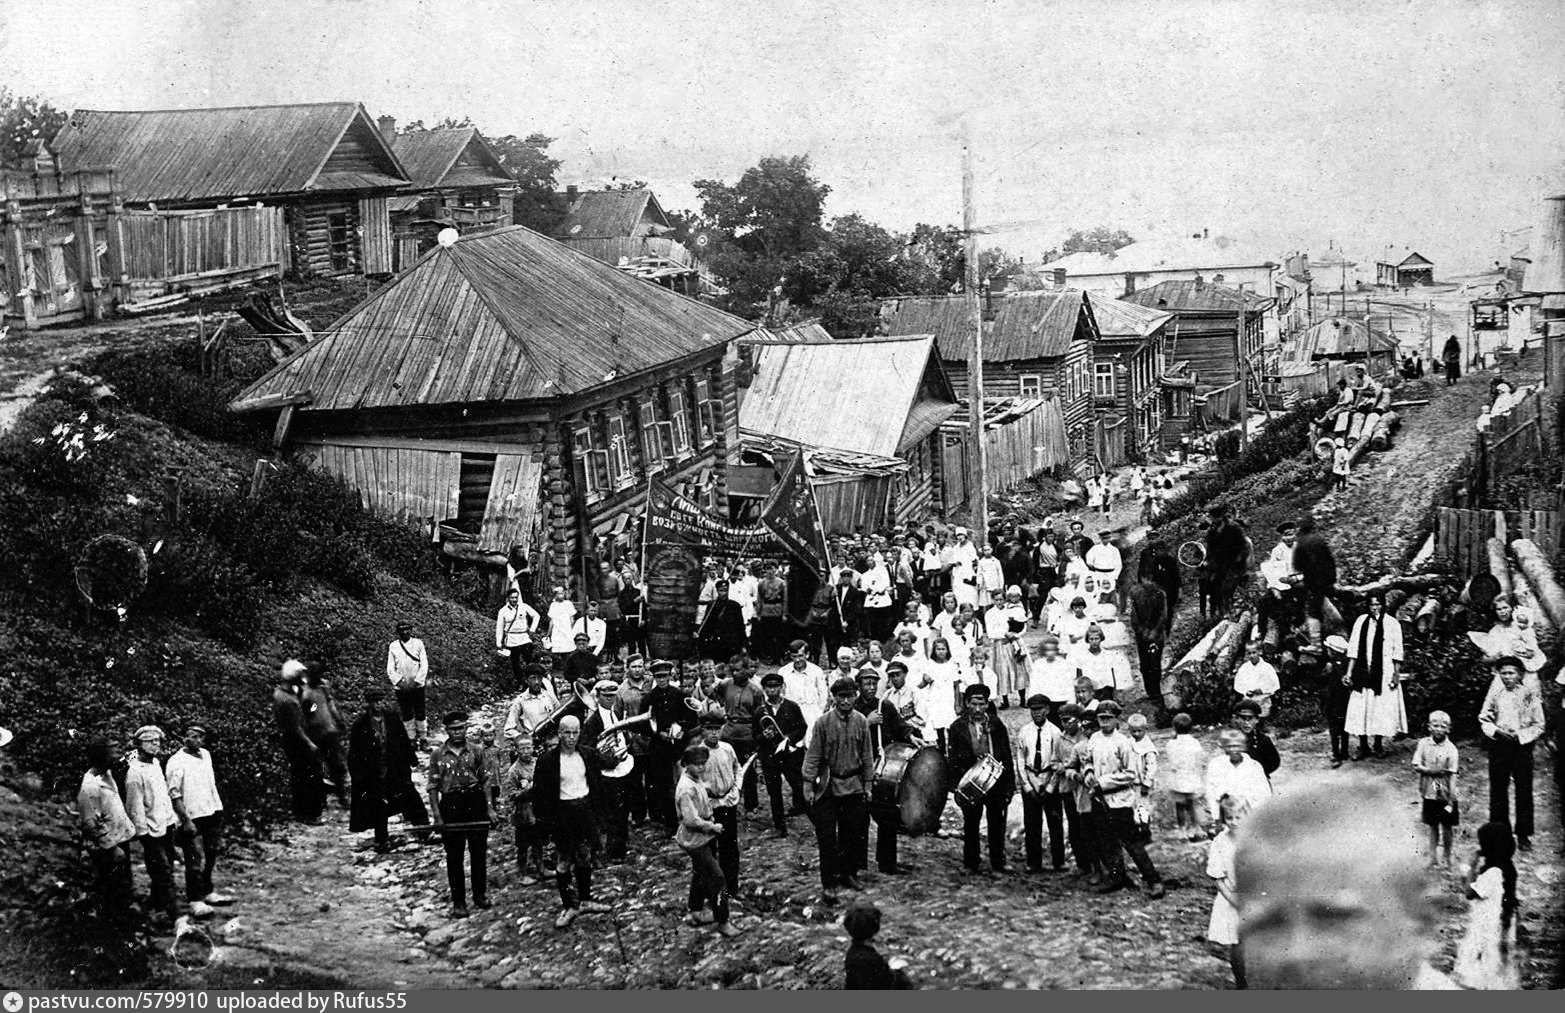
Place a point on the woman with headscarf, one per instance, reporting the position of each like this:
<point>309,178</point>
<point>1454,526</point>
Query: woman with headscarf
<point>1374,658</point>
<point>1003,625</point>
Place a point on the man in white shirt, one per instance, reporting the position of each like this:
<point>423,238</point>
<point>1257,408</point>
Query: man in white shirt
<point>1235,773</point>
<point>535,702</point>
<point>596,629</point>
<point>1105,562</point>
<point>407,668</point>
<point>1281,578</point>
<point>1512,719</point>
<point>192,788</point>
<point>562,617</point>
<point>1256,679</point>
<point>151,813</point>
<point>107,830</point>
<point>804,683</point>
<point>513,633</point>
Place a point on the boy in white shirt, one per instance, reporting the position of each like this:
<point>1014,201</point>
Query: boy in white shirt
<point>1183,772</point>
<point>1256,679</point>
<point>192,787</point>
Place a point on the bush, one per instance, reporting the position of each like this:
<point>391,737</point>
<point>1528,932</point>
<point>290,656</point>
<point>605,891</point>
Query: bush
<point>1226,446</point>
<point>164,382</point>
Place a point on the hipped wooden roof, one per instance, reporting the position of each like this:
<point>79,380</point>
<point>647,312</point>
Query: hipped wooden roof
<point>1026,325</point>
<point>508,315</point>
<point>874,396</point>
<point>178,155</point>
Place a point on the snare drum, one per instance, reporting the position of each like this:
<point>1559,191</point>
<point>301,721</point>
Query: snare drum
<point>979,780</point>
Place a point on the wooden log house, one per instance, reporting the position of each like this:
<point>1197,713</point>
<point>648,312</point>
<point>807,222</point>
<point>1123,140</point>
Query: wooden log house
<point>508,390</point>
<point>1036,345</point>
<point>458,180</point>
<point>867,413</point>
<point>628,228</point>
<point>325,164</point>
<point>1206,319</point>
<point>1127,364</point>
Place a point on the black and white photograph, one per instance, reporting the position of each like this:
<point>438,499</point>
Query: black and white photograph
<point>923,495</point>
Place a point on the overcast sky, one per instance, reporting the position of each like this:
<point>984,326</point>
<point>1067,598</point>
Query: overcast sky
<point>1382,125</point>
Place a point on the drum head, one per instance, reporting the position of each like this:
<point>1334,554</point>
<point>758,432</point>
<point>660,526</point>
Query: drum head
<point>923,792</point>
<point>1482,590</point>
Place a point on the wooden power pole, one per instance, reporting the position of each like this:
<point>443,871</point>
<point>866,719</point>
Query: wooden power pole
<point>978,459</point>
<point>1241,368</point>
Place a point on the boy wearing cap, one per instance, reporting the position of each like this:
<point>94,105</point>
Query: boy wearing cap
<point>1247,718</point>
<point>779,730</point>
<point>1334,695</point>
<point>192,788</point>
<point>151,812</point>
<point>1113,778</point>
<point>721,777</point>
<point>581,665</point>
<point>698,834</point>
<point>1042,754</point>
<point>407,669</point>
<point>459,795</point>
<point>838,765</point>
<point>614,751</point>
<point>976,734</point>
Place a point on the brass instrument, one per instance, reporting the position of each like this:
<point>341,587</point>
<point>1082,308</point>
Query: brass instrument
<point>611,744</point>
<point>783,745</point>
<point>578,706</point>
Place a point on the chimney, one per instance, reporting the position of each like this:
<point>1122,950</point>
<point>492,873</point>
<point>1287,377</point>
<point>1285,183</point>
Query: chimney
<point>1206,233</point>
<point>1545,275</point>
<point>1200,282</point>
<point>1059,277</point>
<point>572,193</point>
<point>388,129</point>
<point>1130,283</point>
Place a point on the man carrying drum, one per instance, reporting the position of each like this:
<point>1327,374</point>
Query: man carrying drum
<point>981,756</point>
<point>885,727</point>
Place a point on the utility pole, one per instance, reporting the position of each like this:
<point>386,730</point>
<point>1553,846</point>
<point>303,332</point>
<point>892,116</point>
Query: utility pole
<point>1241,367</point>
<point>977,461</point>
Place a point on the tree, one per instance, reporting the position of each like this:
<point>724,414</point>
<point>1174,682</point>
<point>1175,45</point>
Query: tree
<point>23,119</point>
<point>539,205</point>
<point>857,264</point>
<point>1101,239</point>
<point>759,226</point>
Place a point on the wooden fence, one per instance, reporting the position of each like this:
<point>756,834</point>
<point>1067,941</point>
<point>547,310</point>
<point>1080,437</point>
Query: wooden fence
<point>1513,440</point>
<point>1462,536</point>
<point>163,252</point>
<point>1223,406</point>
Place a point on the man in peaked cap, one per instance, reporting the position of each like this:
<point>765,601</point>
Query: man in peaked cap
<point>838,766</point>
<point>614,749</point>
<point>975,734</point>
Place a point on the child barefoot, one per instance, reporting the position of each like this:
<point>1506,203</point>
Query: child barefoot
<point>1185,769</point>
<point>1436,761</point>
<point>1223,927</point>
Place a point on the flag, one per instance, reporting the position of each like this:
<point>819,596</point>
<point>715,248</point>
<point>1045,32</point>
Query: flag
<point>792,515</point>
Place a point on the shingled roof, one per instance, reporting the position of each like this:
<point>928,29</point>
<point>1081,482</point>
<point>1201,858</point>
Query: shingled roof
<point>193,155</point>
<point>1196,297</point>
<point>508,315</point>
<point>1126,321</point>
<point>1026,325</point>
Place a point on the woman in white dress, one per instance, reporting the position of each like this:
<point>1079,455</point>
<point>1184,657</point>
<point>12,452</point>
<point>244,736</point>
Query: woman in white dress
<point>1059,602</point>
<point>1375,709</point>
<point>1004,625</point>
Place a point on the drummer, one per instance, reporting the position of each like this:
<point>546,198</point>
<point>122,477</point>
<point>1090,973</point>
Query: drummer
<point>885,727</point>
<point>976,736</point>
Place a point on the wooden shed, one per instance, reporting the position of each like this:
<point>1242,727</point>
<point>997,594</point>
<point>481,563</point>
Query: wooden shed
<point>457,180</point>
<point>864,410</point>
<point>1414,269</point>
<point>628,228</point>
<point>508,390</point>
<point>325,164</point>
<point>1341,340</point>
<point>1036,344</point>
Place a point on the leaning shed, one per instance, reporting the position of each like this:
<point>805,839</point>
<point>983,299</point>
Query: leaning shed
<point>1341,340</point>
<point>813,395</point>
<point>509,391</point>
<point>325,164</point>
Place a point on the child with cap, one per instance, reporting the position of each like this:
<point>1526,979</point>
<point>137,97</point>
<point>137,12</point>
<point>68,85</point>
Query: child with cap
<point>697,835</point>
<point>864,966</point>
<point>1340,463</point>
<point>721,777</point>
<point>1436,761</point>
<point>1334,695</point>
<point>1186,762</point>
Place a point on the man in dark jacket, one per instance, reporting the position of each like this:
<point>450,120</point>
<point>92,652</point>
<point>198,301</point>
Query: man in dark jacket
<point>381,761</point>
<point>844,623</point>
<point>1149,623</point>
<point>779,734</point>
<point>721,634</point>
<point>1317,577</point>
<point>978,733</point>
<point>1227,557</point>
<point>885,726</point>
<point>326,727</point>
<point>1159,566</point>
<point>568,794</point>
<point>670,717</point>
<point>304,758</point>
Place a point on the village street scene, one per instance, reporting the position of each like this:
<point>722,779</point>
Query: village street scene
<point>1037,496</point>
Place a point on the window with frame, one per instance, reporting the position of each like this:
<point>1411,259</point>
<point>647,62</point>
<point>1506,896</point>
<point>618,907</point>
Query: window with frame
<point>1029,385</point>
<point>1103,379</point>
<point>594,460</point>
<point>679,422</point>
<point>651,442</point>
<point>341,241</point>
<point>620,471</point>
<point>708,413</point>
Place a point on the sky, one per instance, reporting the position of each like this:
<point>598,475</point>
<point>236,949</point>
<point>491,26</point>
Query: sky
<point>1381,126</point>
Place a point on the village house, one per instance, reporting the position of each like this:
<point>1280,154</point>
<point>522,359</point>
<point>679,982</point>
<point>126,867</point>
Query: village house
<point>458,181</point>
<point>325,165</point>
<point>1338,342</point>
<point>1206,321</point>
<point>1127,367</point>
<point>1414,269</point>
<point>511,391</point>
<point>1150,262</point>
<point>867,413</point>
<point>627,228</point>
<point>1036,345</point>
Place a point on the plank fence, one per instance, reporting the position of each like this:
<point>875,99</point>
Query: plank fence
<point>164,252</point>
<point>1462,536</point>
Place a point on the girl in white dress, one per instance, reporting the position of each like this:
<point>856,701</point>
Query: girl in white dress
<point>936,685</point>
<point>1375,710</point>
<point>1223,927</point>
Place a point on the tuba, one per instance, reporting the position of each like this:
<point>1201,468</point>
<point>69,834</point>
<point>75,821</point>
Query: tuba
<point>611,744</point>
<point>577,707</point>
<point>783,745</point>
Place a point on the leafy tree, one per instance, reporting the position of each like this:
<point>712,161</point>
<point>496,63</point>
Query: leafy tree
<point>1101,239</point>
<point>25,118</point>
<point>539,205</point>
<point>842,280</point>
<point>760,225</point>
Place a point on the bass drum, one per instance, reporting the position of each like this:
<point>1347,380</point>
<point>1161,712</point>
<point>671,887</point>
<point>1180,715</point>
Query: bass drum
<point>913,781</point>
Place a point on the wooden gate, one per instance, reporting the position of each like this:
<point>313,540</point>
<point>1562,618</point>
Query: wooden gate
<point>953,474</point>
<point>165,252</point>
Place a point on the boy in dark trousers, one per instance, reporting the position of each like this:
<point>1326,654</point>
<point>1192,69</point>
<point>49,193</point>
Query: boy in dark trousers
<point>865,967</point>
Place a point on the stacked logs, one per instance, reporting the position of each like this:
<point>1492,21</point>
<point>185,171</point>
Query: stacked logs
<point>1213,658</point>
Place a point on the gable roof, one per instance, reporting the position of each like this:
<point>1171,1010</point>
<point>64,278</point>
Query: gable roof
<point>1123,321</point>
<point>508,315</point>
<point>1153,255</point>
<point>216,154</point>
<point>817,394</point>
<point>1339,337</point>
<point>1026,325</point>
<point>608,214</point>
<point>430,158</point>
<point>803,332</point>
<point>1193,297</point>
<point>1416,259</point>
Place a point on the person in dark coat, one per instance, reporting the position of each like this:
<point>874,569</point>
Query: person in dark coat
<point>1227,557</point>
<point>1317,577</point>
<point>979,732</point>
<point>721,635</point>
<point>1158,565</point>
<point>575,822</point>
<point>845,620</point>
<point>780,720</point>
<point>886,726</point>
<point>1451,356</point>
<point>864,965</point>
<point>381,762</point>
<point>1149,623</point>
<point>306,789</point>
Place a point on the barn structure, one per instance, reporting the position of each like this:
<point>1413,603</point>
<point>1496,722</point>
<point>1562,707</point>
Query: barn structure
<point>1414,269</point>
<point>509,391</point>
<point>628,228</point>
<point>458,181</point>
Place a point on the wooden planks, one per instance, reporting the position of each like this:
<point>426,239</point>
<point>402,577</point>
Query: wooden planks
<point>402,484</point>
<point>512,509</point>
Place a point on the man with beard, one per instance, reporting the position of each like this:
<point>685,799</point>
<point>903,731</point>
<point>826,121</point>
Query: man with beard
<point>381,762</point>
<point>721,633</point>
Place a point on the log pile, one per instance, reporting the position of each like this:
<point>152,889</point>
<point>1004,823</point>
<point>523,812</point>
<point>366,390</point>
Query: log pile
<point>1213,659</point>
<point>1541,580</point>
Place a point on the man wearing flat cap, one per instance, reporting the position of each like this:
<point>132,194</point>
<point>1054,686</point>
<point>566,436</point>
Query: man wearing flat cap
<point>381,761</point>
<point>307,792</point>
<point>407,669</point>
<point>1114,778</point>
<point>838,766</point>
<point>614,749</point>
<point>1042,755</point>
<point>779,734</point>
<point>459,794</point>
<point>151,812</point>
<point>885,727</point>
<point>192,788</point>
<point>1105,561</point>
<point>976,734</point>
